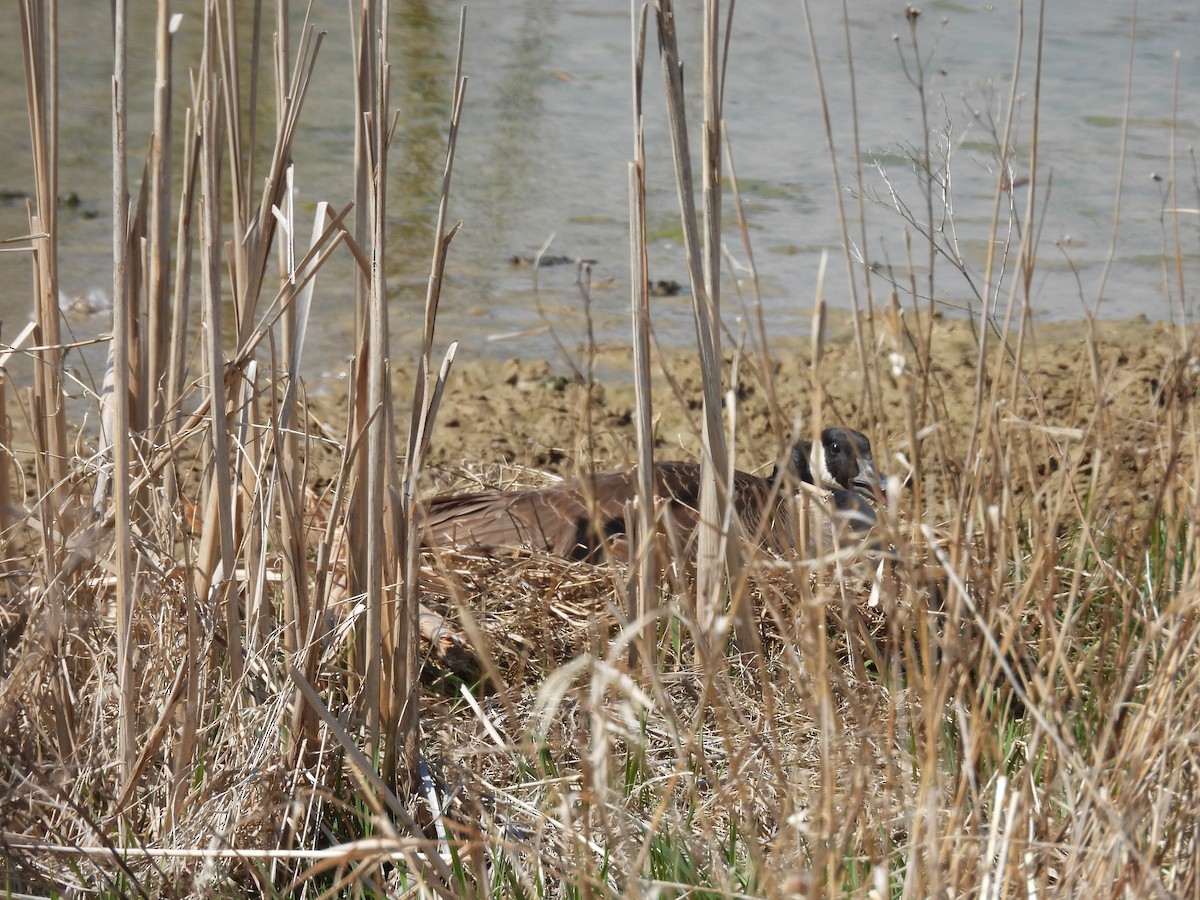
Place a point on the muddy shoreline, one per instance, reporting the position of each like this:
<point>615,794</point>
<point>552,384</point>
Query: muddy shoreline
<point>1074,394</point>
<point>1091,409</point>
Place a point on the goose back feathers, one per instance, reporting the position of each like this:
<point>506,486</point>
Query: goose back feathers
<point>576,518</point>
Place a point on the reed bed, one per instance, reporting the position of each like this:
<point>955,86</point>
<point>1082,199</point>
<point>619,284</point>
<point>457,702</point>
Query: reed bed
<point>228,667</point>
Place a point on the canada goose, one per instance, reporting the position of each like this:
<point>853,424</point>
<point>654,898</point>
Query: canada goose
<point>574,518</point>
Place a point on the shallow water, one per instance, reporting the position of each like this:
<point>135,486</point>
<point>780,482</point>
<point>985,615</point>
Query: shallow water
<point>546,140</point>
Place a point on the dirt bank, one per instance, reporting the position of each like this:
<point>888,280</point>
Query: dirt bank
<point>1082,396</point>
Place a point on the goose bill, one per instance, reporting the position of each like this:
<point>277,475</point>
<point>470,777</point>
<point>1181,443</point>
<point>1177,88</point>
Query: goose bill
<point>867,482</point>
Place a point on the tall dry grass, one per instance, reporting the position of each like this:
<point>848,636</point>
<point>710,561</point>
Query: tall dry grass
<point>217,679</point>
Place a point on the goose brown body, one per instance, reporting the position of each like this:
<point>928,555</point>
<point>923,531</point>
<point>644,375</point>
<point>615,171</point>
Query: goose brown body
<point>578,517</point>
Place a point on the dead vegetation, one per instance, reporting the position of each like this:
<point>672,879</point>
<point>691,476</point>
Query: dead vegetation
<point>230,669</point>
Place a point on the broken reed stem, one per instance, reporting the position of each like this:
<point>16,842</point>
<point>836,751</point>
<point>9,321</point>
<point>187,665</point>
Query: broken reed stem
<point>158,312</point>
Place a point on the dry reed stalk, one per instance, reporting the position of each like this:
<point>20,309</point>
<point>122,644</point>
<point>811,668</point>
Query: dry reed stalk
<point>289,465</point>
<point>218,116</point>
<point>825,858</point>
<point>254,495</point>
<point>227,95</point>
<point>723,545</point>
<point>305,601</point>
<point>39,42</point>
<point>1172,207</point>
<point>356,511</point>
<point>704,274</point>
<point>158,309</point>
<point>405,627</point>
<point>217,548</point>
<point>121,354</point>
<point>7,456</point>
<point>643,609</point>
<point>364,526</point>
<point>176,353</point>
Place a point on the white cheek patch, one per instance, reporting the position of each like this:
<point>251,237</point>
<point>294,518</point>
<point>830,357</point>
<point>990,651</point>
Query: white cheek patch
<point>821,474</point>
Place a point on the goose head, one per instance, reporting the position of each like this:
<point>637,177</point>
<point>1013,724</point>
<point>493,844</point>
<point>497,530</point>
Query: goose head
<point>842,459</point>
